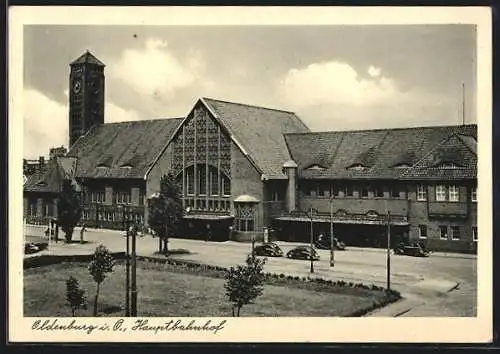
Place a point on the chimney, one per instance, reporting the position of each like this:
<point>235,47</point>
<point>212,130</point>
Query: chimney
<point>57,152</point>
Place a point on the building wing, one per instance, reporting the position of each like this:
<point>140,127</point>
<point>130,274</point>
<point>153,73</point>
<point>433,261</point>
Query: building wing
<point>377,154</point>
<point>121,150</point>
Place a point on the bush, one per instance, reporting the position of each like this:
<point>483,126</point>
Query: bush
<point>244,283</point>
<point>99,267</point>
<point>75,296</point>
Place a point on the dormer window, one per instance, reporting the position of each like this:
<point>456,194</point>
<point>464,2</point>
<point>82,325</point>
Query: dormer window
<point>357,167</point>
<point>41,184</point>
<point>102,166</point>
<point>316,167</point>
<point>126,166</point>
<point>448,165</point>
<point>402,165</point>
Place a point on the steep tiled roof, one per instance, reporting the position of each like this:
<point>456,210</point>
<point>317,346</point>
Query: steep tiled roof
<point>450,160</point>
<point>47,179</point>
<point>260,132</point>
<point>88,58</point>
<point>121,150</point>
<point>381,153</point>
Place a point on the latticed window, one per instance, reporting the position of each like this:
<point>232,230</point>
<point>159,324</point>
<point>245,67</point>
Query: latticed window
<point>226,185</point>
<point>453,194</point>
<point>123,197</point>
<point>245,217</point>
<point>190,181</point>
<point>440,193</point>
<point>473,194</point>
<point>421,193</point>
<point>213,181</point>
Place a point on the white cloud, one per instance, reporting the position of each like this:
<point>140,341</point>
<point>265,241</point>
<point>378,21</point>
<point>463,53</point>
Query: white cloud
<point>336,83</point>
<point>46,122</point>
<point>373,71</point>
<point>114,113</point>
<point>154,70</point>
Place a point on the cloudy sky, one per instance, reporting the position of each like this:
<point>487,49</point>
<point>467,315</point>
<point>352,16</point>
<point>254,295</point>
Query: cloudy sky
<point>333,77</point>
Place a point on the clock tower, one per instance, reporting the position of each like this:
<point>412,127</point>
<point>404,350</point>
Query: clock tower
<point>86,95</point>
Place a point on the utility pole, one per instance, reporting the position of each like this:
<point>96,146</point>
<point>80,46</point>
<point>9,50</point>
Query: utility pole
<point>311,214</point>
<point>388,250</point>
<point>133,310</point>
<point>332,244</point>
<point>463,103</point>
<point>127,276</point>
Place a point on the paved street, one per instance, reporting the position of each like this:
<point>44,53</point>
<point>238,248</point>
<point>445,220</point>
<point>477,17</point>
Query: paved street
<point>439,285</point>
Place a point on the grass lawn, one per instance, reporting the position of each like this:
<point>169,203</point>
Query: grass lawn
<point>166,293</point>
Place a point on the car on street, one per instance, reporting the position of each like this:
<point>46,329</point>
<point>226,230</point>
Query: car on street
<point>268,249</point>
<point>412,249</point>
<point>304,253</point>
<point>324,244</point>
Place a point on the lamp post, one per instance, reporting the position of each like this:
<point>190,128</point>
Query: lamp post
<point>311,213</point>
<point>133,302</point>
<point>388,250</point>
<point>332,245</point>
<point>127,264</point>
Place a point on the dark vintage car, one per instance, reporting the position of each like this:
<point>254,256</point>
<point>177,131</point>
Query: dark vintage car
<point>268,249</point>
<point>412,249</point>
<point>324,244</point>
<point>303,252</point>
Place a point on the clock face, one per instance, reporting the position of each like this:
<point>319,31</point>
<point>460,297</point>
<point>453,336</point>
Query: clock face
<point>77,86</point>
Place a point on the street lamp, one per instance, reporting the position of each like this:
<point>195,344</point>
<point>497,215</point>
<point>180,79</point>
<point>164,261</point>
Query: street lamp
<point>133,302</point>
<point>388,250</point>
<point>127,264</point>
<point>311,212</point>
<point>332,244</point>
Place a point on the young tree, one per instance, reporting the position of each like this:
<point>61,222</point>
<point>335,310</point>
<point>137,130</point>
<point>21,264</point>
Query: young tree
<point>99,267</point>
<point>165,210</point>
<point>75,296</point>
<point>68,208</point>
<point>244,283</point>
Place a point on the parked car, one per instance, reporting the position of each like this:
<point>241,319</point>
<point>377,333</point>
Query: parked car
<point>412,249</point>
<point>268,249</point>
<point>303,252</point>
<point>325,244</point>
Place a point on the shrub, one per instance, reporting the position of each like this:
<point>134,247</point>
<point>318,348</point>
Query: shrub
<point>99,267</point>
<point>75,296</point>
<point>244,283</point>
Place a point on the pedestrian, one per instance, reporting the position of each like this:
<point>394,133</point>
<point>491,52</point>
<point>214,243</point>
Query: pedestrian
<point>82,230</point>
<point>209,233</point>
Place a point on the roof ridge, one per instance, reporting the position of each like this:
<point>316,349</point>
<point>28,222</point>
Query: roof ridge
<point>141,121</point>
<point>249,105</point>
<point>385,129</point>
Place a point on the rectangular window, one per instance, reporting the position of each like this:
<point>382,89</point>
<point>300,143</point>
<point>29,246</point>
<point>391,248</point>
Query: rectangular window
<point>226,186</point>
<point>364,191</point>
<point>214,182</point>
<point>443,229</point>
<point>322,189</point>
<point>440,193</point>
<point>349,191</point>
<point>378,192</point>
<point>453,194</point>
<point>422,231</point>
<point>473,194</point>
<point>421,193</point>
<point>395,192</point>
<point>474,233</point>
<point>202,181</point>
<point>455,233</point>
<point>190,181</point>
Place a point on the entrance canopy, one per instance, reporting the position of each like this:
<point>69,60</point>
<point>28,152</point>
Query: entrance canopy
<point>207,217</point>
<point>349,219</point>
